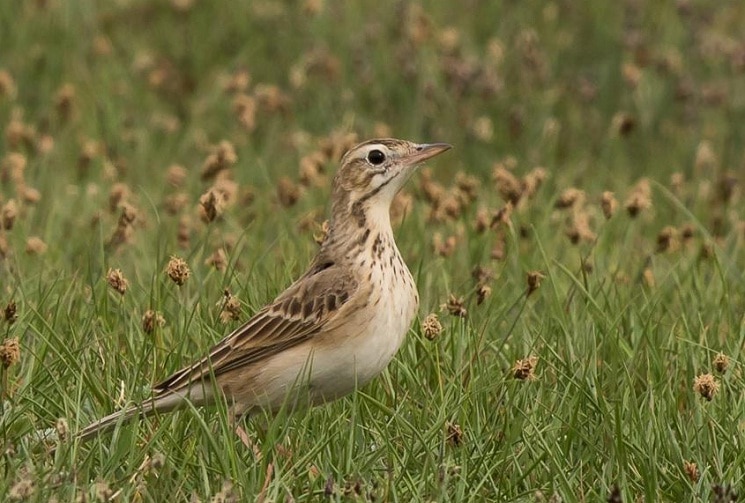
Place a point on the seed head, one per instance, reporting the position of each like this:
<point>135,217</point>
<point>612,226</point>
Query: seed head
<point>667,239</point>
<point>706,386</point>
<point>178,270</point>
<point>508,186</point>
<point>23,489</point>
<point>288,192</point>
<point>118,194</point>
<point>102,491</point>
<point>10,313</point>
<point>691,470</point>
<point>63,430</point>
<point>456,306</point>
<point>639,199</point>
<point>231,307</point>
<point>10,352</point>
<point>455,435</point>
<point>533,181</point>
<point>721,363</point>
<point>218,259</point>
<point>323,231</point>
<point>176,175</point>
<point>152,320</point>
<point>9,214</point>
<point>431,326</point>
<point>609,204</point>
<point>524,370</point>
<point>482,292</point>
<point>569,198</point>
<point>35,246</point>
<point>223,157</point>
<point>7,85</point>
<point>211,206</point>
<point>534,281</point>
<point>116,280</point>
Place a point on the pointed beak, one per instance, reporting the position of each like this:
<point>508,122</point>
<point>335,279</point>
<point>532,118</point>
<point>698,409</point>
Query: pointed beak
<point>425,151</point>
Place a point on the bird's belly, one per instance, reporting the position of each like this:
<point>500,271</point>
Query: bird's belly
<point>357,351</point>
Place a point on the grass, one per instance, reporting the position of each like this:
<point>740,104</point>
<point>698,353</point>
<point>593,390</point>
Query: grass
<point>99,99</point>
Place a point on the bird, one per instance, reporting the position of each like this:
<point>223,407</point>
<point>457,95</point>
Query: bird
<point>331,331</point>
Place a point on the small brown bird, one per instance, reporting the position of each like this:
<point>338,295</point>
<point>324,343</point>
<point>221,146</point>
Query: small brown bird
<point>332,330</point>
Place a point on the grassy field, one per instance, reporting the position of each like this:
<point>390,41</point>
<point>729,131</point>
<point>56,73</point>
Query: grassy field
<point>583,244</point>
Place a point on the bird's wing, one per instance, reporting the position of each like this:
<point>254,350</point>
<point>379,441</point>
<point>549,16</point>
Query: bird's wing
<point>300,312</point>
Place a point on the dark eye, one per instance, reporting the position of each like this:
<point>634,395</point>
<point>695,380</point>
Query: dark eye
<point>375,157</point>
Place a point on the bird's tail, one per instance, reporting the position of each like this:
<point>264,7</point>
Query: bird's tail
<point>160,404</point>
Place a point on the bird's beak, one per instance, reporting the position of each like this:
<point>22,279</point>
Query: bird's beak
<point>425,151</point>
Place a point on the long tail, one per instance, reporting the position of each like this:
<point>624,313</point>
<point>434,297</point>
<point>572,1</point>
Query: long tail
<point>161,404</point>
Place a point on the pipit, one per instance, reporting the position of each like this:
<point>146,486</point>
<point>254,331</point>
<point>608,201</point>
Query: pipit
<point>332,330</point>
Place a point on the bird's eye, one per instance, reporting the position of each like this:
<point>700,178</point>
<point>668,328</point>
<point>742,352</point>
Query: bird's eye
<point>375,157</point>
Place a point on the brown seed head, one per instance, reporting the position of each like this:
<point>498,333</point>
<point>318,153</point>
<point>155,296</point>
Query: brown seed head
<point>218,259</point>
<point>508,185</point>
<point>431,326</point>
<point>14,167</point>
<point>533,181</point>
<point>721,363</point>
<point>691,470</point>
<point>706,386</point>
<point>183,235</point>
<point>639,199</point>
<point>102,491</point>
<point>35,246</point>
<point>467,185</point>
<point>608,204</point>
<point>30,195</point>
<point>231,307</point>
<point>502,216</point>
<point>726,187</point>
<point>64,101</point>
<point>534,279</point>
<point>116,280</point>
<point>288,192</point>
<point>482,292</point>
<point>176,175</point>
<point>178,270</point>
<point>569,198</point>
<point>323,231</point>
<point>152,320</point>
<point>667,239</point>
<point>23,489</point>
<point>7,85</point>
<point>10,352</point>
<point>524,370</point>
<point>431,190</point>
<point>211,206</point>
<point>482,274</point>
<point>9,214</point>
<point>244,108</point>
<point>623,123</point>
<point>455,435</point>
<point>456,306</point>
<point>223,157</point>
<point>118,194</point>
<point>63,430</point>
<point>10,313</point>
<point>446,247</point>
<point>483,220</point>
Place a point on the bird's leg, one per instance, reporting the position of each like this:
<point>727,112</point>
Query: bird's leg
<point>235,422</point>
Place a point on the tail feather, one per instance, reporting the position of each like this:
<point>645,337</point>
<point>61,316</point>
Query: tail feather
<point>161,404</point>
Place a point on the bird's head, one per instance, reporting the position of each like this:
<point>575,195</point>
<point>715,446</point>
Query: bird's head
<point>372,172</point>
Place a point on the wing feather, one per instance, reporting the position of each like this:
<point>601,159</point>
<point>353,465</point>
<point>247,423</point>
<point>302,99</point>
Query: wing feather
<point>299,313</point>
